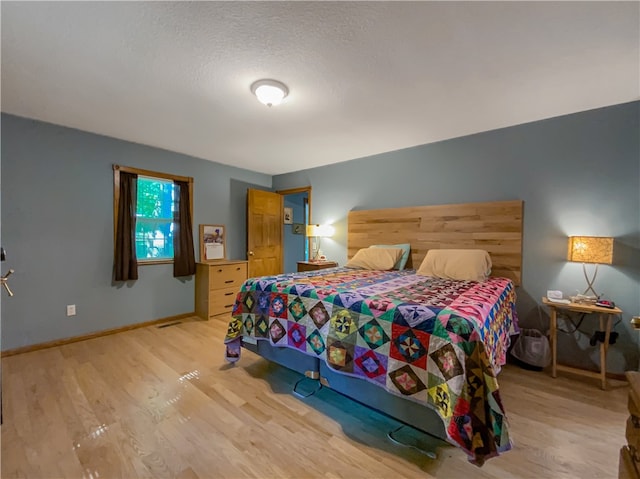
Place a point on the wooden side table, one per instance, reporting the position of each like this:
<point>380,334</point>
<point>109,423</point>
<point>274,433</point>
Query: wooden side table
<point>605,315</point>
<point>314,265</point>
<point>629,465</point>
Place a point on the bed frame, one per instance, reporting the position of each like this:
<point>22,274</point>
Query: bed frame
<point>495,227</point>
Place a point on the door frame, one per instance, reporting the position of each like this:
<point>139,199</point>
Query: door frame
<point>293,191</point>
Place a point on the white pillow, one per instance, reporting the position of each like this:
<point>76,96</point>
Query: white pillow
<point>405,247</point>
<point>460,264</point>
<point>375,258</point>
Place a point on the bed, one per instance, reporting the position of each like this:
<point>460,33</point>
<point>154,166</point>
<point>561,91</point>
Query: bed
<point>422,349</point>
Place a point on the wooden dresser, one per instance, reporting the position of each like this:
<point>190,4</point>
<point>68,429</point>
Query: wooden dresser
<point>629,467</point>
<point>217,285</point>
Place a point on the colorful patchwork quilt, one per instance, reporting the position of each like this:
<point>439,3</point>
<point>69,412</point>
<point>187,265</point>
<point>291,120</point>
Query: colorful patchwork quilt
<point>435,341</point>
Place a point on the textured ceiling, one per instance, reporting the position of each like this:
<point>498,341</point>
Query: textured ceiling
<point>364,78</point>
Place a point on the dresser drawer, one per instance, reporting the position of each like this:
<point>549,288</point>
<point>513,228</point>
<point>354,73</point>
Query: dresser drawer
<point>217,285</point>
<point>222,300</point>
<point>227,275</point>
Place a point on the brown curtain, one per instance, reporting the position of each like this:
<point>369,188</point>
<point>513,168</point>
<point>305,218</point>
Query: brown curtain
<point>126,263</point>
<point>184,260</point>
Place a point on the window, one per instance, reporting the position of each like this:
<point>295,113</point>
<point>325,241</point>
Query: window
<point>155,210</point>
<point>153,222</point>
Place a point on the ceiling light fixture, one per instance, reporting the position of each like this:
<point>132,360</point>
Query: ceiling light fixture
<point>269,92</point>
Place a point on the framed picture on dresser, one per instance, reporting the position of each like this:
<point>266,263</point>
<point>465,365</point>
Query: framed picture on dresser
<point>212,243</point>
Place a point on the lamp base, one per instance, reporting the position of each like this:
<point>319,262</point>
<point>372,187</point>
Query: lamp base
<point>590,281</point>
<point>315,251</point>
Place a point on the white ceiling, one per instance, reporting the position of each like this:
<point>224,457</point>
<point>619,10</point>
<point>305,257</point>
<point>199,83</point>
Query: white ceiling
<point>364,77</point>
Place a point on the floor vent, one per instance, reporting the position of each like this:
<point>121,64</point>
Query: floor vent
<point>166,325</point>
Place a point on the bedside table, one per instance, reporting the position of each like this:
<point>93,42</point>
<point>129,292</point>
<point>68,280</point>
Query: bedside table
<point>314,265</point>
<point>629,465</point>
<point>605,316</point>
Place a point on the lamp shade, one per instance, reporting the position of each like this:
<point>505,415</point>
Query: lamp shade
<point>590,249</point>
<point>322,231</point>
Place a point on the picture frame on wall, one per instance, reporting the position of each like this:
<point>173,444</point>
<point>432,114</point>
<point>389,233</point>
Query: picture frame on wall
<point>288,216</point>
<point>298,228</point>
<point>212,243</point>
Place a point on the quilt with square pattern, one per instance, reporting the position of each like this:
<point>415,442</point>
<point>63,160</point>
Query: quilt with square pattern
<point>435,341</point>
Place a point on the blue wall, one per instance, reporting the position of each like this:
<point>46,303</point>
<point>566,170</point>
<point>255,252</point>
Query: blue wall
<point>577,174</point>
<point>57,218</point>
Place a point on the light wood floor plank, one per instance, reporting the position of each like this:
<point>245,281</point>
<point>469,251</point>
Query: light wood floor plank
<point>162,402</point>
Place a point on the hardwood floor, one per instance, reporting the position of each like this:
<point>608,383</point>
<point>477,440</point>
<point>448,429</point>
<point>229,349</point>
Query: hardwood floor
<point>162,402</point>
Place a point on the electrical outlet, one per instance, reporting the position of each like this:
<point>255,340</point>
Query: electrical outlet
<point>71,309</point>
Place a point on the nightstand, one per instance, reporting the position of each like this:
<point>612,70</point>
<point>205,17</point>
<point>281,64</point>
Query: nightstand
<point>314,265</point>
<point>629,465</point>
<point>605,315</point>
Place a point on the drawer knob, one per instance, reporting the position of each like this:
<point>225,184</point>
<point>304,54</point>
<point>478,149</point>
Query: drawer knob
<point>229,281</point>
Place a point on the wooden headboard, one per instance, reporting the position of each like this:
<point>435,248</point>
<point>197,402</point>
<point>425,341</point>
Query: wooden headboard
<point>495,227</point>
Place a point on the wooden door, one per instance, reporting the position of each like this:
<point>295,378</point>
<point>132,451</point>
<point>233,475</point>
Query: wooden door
<point>264,233</point>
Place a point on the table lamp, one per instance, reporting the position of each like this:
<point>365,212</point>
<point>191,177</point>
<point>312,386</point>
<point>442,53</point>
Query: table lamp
<point>317,232</point>
<point>590,249</point>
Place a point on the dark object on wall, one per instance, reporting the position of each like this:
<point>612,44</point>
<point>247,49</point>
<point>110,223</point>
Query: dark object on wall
<point>298,228</point>
<point>288,215</point>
